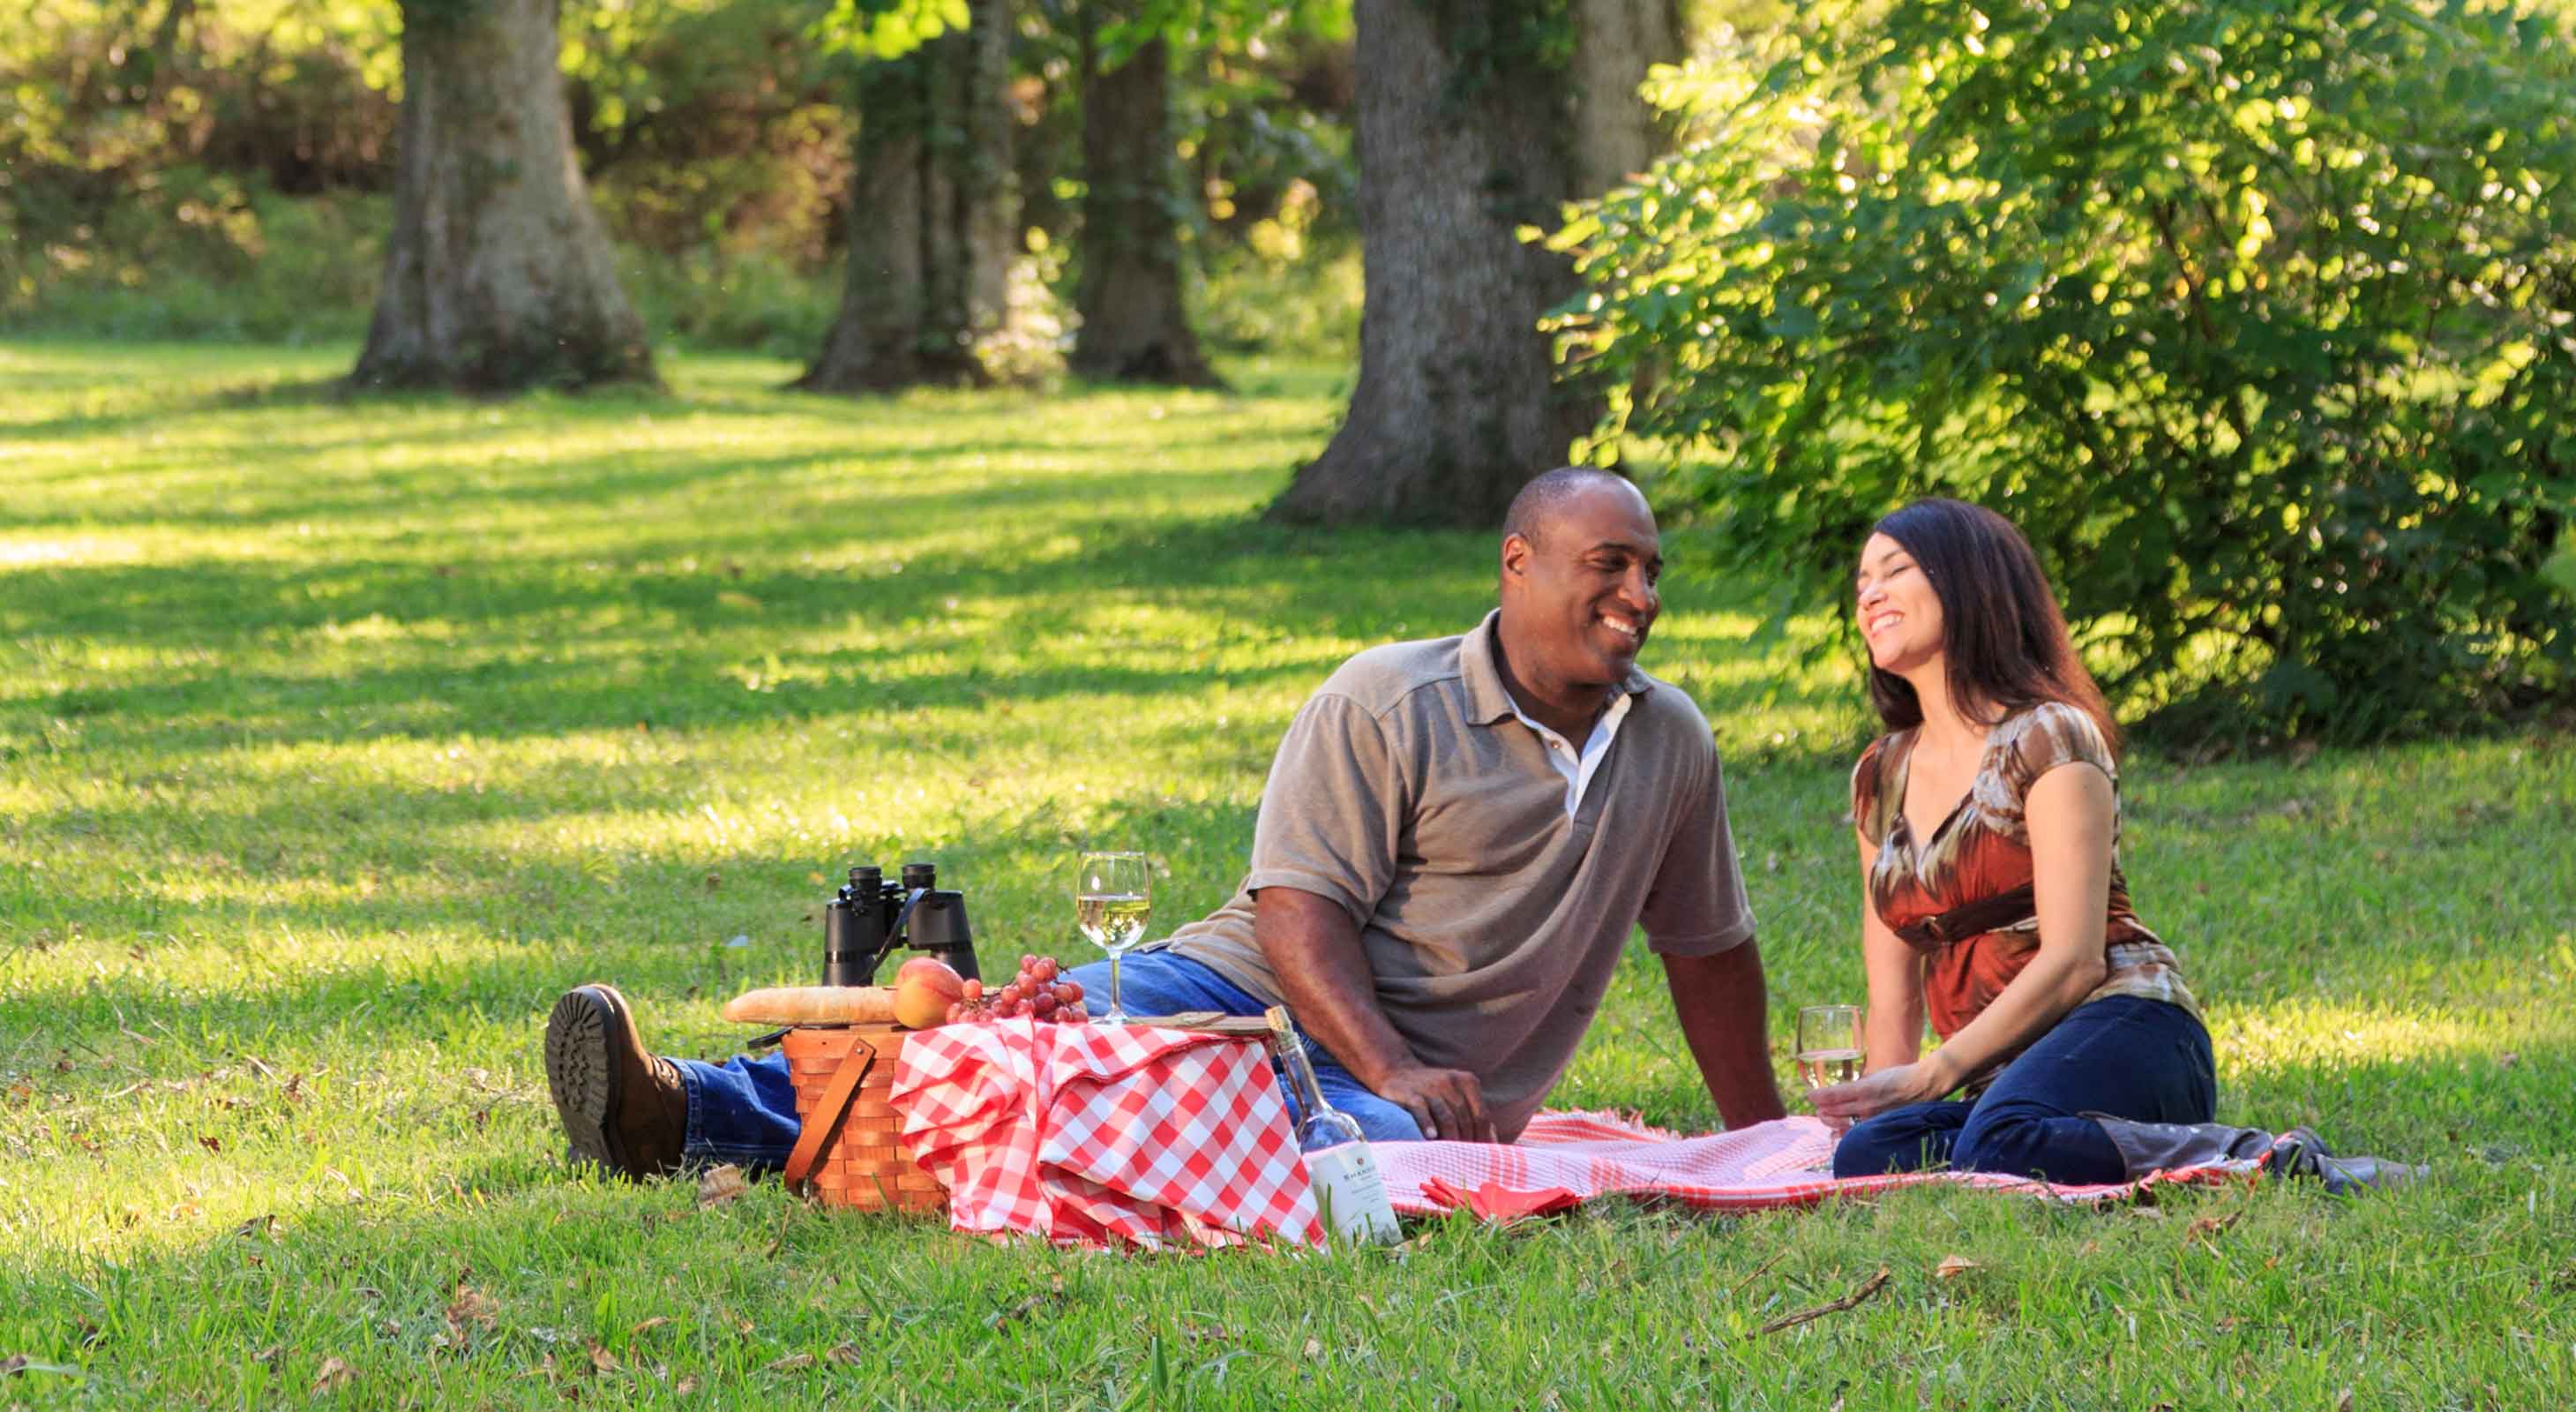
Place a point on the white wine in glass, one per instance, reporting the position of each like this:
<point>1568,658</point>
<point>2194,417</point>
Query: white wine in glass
<point>1113,895</point>
<point>1829,1044</point>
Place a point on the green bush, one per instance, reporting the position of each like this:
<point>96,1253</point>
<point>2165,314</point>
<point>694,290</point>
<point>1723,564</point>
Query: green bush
<point>236,263</point>
<point>762,302</point>
<point>2255,314</point>
<point>1306,305</point>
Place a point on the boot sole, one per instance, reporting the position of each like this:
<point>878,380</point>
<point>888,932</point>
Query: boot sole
<point>581,1073</point>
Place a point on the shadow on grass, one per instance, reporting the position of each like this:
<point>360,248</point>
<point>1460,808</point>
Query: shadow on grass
<point>556,643</point>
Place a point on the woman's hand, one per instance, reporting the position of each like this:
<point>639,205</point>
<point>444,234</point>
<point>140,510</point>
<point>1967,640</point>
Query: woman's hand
<point>1842,1105</point>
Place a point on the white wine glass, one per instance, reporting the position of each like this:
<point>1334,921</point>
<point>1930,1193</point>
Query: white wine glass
<point>1829,1044</point>
<point>1113,895</point>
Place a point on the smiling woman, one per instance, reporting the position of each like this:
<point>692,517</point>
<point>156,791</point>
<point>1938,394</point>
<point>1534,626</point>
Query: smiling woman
<point>1989,829</point>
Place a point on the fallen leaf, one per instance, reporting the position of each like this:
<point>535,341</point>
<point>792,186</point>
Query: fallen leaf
<point>257,1225</point>
<point>793,1363</point>
<point>469,1305</point>
<point>2208,1228</point>
<point>2508,1059</point>
<point>334,1375</point>
<point>268,1354</point>
<point>1952,1267</point>
<point>600,1358</point>
<point>2146,1213</point>
<point>1314,1348</point>
<point>845,1354</point>
<point>720,1185</point>
<point>687,1385</point>
<point>649,1325</point>
<point>2343,1402</point>
<point>211,1144</point>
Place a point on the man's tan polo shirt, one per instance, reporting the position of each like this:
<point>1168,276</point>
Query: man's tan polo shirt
<point>1409,793</point>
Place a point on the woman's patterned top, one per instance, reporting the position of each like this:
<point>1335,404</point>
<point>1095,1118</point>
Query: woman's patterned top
<point>1983,849</point>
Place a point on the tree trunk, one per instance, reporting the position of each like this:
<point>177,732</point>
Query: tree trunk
<point>1616,133</point>
<point>1134,327</point>
<point>1467,131</point>
<point>497,275</point>
<point>934,211</point>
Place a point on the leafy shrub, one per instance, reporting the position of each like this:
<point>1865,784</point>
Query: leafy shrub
<point>2255,314</point>
<point>763,301</point>
<point>1303,304</point>
<point>211,259</point>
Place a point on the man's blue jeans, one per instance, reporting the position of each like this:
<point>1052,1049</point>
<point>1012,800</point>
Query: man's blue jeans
<point>744,1110</point>
<point>2122,1056</point>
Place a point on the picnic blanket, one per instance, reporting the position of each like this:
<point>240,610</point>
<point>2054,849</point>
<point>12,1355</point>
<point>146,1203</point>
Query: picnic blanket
<point>1565,1159</point>
<point>1089,1134</point>
<point>1098,1134</point>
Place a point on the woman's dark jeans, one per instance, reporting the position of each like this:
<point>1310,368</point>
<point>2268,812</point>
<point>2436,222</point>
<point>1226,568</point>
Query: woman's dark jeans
<point>2122,1056</point>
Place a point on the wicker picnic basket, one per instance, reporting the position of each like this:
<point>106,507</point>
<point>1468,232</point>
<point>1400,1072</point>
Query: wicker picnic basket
<point>848,1154</point>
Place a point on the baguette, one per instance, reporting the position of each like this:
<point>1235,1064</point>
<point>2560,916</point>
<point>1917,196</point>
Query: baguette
<point>813,1005</point>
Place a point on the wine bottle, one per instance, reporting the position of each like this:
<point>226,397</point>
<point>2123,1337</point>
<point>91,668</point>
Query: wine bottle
<point>1349,1193</point>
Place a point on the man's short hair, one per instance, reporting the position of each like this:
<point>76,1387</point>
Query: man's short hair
<point>1547,493</point>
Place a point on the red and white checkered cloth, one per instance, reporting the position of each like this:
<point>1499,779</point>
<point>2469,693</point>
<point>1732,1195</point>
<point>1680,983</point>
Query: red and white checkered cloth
<point>1564,1159</point>
<point>1089,1134</point>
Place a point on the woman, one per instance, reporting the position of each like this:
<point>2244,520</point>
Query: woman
<point>1989,830</point>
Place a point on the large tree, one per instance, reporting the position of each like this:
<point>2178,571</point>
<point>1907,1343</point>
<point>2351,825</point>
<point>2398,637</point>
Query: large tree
<point>1476,118</point>
<point>934,212</point>
<point>497,275</point>
<point>1134,325</point>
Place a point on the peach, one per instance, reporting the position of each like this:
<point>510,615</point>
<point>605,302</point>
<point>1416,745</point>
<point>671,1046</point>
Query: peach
<point>923,991</point>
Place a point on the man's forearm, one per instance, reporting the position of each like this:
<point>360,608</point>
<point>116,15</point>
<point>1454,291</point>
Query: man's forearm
<point>1726,1017</point>
<point>1314,949</point>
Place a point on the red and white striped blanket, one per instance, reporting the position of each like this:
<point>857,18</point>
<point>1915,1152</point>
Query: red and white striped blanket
<point>1565,1159</point>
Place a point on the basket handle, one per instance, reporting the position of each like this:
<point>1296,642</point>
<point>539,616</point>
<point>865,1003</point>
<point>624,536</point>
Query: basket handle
<point>824,1123</point>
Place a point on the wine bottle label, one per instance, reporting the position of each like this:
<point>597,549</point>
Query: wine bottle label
<point>1350,1194</point>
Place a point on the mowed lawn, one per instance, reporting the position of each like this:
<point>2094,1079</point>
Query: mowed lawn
<point>337,737</point>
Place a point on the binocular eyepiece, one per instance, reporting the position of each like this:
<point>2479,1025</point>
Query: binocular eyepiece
<point>869,918</point>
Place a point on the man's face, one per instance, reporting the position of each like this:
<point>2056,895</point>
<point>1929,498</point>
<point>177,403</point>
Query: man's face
<point>1582,593</point>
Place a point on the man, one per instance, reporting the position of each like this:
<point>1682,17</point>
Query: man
<point>1456,839</point>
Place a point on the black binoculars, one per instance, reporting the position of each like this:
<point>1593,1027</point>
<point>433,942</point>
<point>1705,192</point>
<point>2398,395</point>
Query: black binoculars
<point>870,918</point>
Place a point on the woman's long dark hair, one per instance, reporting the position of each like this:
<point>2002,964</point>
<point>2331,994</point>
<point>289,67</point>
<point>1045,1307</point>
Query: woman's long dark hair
<point>2004,638</point>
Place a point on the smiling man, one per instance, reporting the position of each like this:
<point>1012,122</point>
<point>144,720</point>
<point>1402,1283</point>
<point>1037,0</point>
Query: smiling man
<point>1458,836</point>
<point>1456,840</point>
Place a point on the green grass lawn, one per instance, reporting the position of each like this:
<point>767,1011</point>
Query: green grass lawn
<point>338,737</point>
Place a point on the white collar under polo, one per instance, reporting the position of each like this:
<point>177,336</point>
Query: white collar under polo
<point>1578,765</point>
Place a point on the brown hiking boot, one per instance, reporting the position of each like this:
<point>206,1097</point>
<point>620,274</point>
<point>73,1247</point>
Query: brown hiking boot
<point>621,1107</point>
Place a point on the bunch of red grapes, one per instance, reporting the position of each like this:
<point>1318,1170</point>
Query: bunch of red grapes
<point>1035,992</point>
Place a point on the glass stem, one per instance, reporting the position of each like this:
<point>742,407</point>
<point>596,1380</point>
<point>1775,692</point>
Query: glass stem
<point>1117,1013</point>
